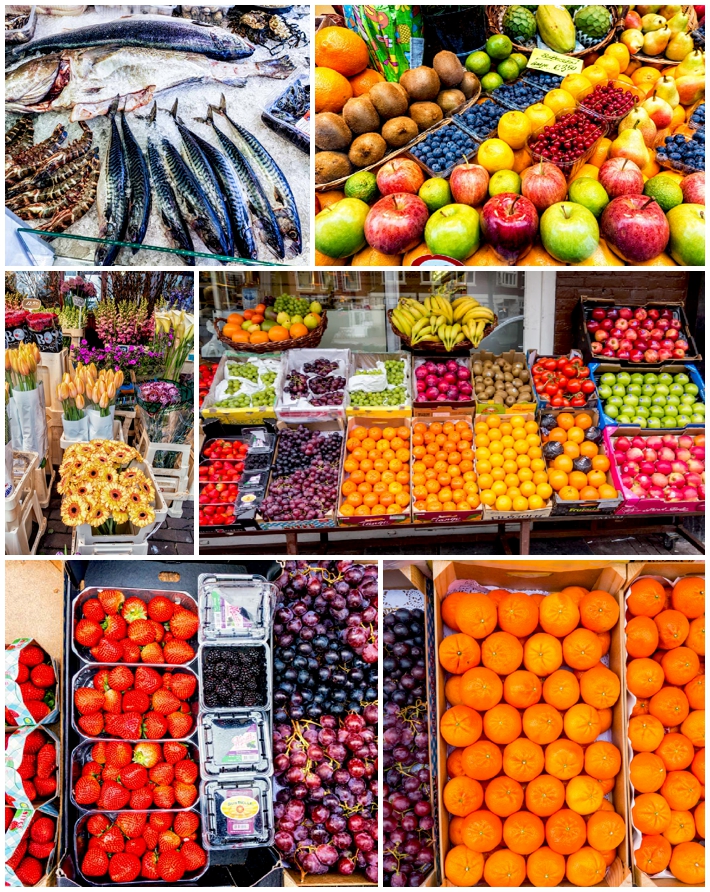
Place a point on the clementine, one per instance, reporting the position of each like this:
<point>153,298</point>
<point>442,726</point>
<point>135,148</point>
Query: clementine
<point>462,795</point>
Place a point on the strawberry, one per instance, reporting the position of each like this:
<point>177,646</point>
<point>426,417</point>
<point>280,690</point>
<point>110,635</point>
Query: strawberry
<point>115,628</point>
<point>92,769</point>
<point>186,771</point>
<point>30,790</point>
<point>168,841</point>
<point>43,676</point>
<point>97,824</point>
<point>124,868</point>
<point>162,774</point>
<point>112,702</point>
<point>159,631</point>
<point>179,724</point>
<point>164,702</point>
<point>147,754</point>
<point>88,633</point>
<point>92,725</point>
<point>19,854</point>
<point>32,655</point>
<point>23,673</point>
<point>126,726</point>
<point>136,701</point>
<point>42,829</point>
<point>38,709</point>
<point>152,653</point>
<point>149,866</point>
<point>160,609</point>
<point>134,776</point>
<point>173,752</point>
<point>131,824</point>
<point>161,820</point>
<point>185,794</point>
<point>95,863</point>
<point>155,725</point>
<point>111,600</point>
<point>34,742</point>
<point>147,680</point>
<point>131,651</point>
<point>194,856</point>
<point>150,835</point>
<point>184,624</point>
<point>27,767</point>
<point>141,799</point>
<point>30,692</point>
<point>100,680</point>
<point>113,796</point>
<point>118,753</point>
<point>133,610</point>
<point>111,773</point>
<point>120,678</point>
<point>93,610</point>
<point>136,847</point>
<point>171,866</point>
<point>40,850</point>
<point>88,700</point>
<point>107,651</point>
<point>142,632</point>
<point>46,787</point>
<point>164,796</point>
<point>111,840</point>
<point>186,824</point>
<point>98,752</point>
<point>46,760</point>
<point>29,871</point>
<point>178,652</point>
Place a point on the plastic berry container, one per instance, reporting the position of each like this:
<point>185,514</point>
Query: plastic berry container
<point>234,744</point>
<point>447,127</point>
<point>571,166</point>
<point>466,120</point>
<point>505,95</point>
<point>237,814</point>
<point>234,607</point>
<point>611,120</point>
<point>229,474</point>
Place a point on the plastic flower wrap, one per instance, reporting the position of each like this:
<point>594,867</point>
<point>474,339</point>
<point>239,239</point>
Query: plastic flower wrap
<point>99,487</point>
<point>98,387</point>
<point>180,325</point>
<point>21,366</point>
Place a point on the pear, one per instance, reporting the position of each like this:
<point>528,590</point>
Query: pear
<point>669,11</point>
<point>679,47</point>
<point>648,10</point>
<point>632,39</point>
<point>630,144</point>
<point>665,88</point>
<point>655,42</point>
<point>652,23</point>
<point>639,118</point>
<point>693,63</point>
<point>690,88</point>
<point>678,24</point>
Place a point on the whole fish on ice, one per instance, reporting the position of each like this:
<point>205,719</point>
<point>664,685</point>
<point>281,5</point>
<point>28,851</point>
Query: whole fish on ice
<point>85,83</point>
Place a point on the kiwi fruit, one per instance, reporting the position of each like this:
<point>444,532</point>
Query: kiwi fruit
<point>448,100</point>
<point>368,148</point>
<point>332,166</point>
<point>332,133</point>
<point>390,100</point>
<point>425,114</point>
<point>360,115</point>
<point>399,131</point>
<point>449,69</point>
<point>422,83</point>
<point>469,84</point>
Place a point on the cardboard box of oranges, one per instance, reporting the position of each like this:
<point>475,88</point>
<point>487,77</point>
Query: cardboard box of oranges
<point>664,633</point>
<point>444,483</point>
<point>511,470</point>
<point>375,482</point>
<point>552,807</point>
<point>580,475</point>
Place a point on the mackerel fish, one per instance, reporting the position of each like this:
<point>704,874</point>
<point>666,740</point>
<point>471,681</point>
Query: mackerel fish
<point>138,186</point>
<point>170,212</point>
<point>112,197</point>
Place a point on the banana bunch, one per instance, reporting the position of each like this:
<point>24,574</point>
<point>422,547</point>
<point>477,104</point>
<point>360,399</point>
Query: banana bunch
<point>441,320</point>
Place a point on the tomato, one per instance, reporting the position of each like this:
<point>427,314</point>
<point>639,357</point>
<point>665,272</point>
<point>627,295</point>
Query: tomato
<point>538,368</point>
<point>550,364</point>
<point>588,386</point>
<point>562,362</point>
<point>569,370</point>
<point>583,372</point>
<point>557,402</point>
<point>551,389</point>
<point>574,385</point>
<point>578,401</point>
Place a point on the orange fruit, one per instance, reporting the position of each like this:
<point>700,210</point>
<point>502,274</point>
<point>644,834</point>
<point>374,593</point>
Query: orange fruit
<point>565,832</point>
<point>522,689</point>
<point>448,609</point>
<point>670,706</point>
<point>584,794</point>
<point>653,855</point>
<point>298,330</point>
<point>680,665</point>
<point>523,832</point>
<point>462,795</point>
<point>641,636</point>
<point>647,597</point>
<point>585,867</point>
<point>476,614</point>
<point>455,837</point>
<point>681,790</point>
<point>599,611</point>
<point>454,763</point>
<point>544,795</point>
<point>542,654</point>
<point>689,596</point>
<point>561,689</point>
<point>564,759</point>
<point>482,831</point>
<point>602,760</point>
<point>504,868</point>
<point>342,50</point>
<point>452,690</point>
<point>687,863</point>
<point>699,816</point>
<point>696,636</point>
<point>523,759</point>
<point>675,751</point>
<point>463,866</point>
<point>673,628</point>
<point>581,649</point>
<point>517,614</point>
<point>605,830</point>
<point>558,614</point>
<point>502,723</point>
<point>482,687</point>
<point>502,653</point>
<point>647,772</point>
<point>362,82</point>
<point>482,760</point>
<point>681,828</point>
<point>651,813</point>
<point>600,687</point>
<point>545,867</point>
<point>644,677</point>
<point>460,726</point>
<point>645,733</point>
<point>581,723</point>
<point>542,723</point>
<point>332,90</point>
<point>460,652</point>
<point>695,692</point>
<point>504,796</point>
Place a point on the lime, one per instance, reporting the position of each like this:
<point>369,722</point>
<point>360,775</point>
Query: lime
<point>362,185</point>
<point>589,193</point>
<point>520,60</point>
<point>491,82</point>
<point>504,181</point>
<point>498,46</point>
<point>508,69</point>
<point>436,193</point>
<point>479,63</point>
<point>665,190</point>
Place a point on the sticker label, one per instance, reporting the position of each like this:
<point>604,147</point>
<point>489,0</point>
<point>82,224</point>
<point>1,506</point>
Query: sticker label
<point>240,811</point>
<point>243,748</point>
<point>228,616</point>
<point>554,63</point>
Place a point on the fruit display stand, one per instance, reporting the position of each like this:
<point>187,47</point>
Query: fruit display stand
<point>540,577</point>
<point>479,358</point>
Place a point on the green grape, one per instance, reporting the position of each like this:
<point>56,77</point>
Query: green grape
<point>233,387</point>
<point>267,378</point>
<point>294,306</point>
<point>371,372</point>
<point>266,397</point>
<point>395,371</point>
<point>234,402</point>
<point>243,370</point>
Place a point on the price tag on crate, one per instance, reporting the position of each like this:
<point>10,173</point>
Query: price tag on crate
<point>554,63</point>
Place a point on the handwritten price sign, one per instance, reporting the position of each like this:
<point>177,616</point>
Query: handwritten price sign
<point>554,63</point>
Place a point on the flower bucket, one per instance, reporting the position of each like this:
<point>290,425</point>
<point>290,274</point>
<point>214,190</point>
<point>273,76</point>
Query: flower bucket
<point>100,426</point>
<point>28,420</point>
<point>76,431</point>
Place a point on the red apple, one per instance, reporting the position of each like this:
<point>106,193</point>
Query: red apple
<point>601,335</point>
<point>663,323</point>
<point>623,354</point>
<point>622,323</point>
<point>636,356</point>
<point>651,356</point>
<point>672,334</point>
<point>607,324</point>
<point>621,176</point>
<point>631,334</point>
<point>626,313</point>
<point>509,224</point>
<point>613,344</point>
<point>694,188</point>
<point>607,351</point>
<point>681,344</point>
<point>615,333</point>
<point>654,314</point>
<point>597,348</point>
<point>469,184</point>
<point>599,313</point>
<point>625,344</point>
<point>678,353</point>
<point>395,223</point>
<point>544,184</point>
<point>664,355</point>
<point>592,325</point>
<point>635,228</point>
<point>400,175</point>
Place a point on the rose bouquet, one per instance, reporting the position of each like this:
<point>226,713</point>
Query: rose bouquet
<point>99,487</point>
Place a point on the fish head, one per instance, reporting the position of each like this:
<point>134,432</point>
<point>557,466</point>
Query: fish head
<point>228,46</point>
<point>30,82</point>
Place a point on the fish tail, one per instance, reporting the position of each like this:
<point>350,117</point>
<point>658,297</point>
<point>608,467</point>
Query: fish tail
<point>277,68</point>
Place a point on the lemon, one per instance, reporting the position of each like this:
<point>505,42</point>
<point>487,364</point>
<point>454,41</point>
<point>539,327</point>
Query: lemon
<point>540,116</point>
<point>575,84</point>
<point>596,75</point>
<point>559,101</point>
<point>494,154</point>
<point>514,128</point>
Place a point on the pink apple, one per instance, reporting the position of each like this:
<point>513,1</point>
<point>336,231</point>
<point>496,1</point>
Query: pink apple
<point>469,184</point>
<point>694,188</point>
<point>621,176</point>
<point>613,344</point>
<point>395,223</point>
<point>601,335</point>
<point>400,175</point>
<point>509,224</point>
<point>544,184</point>
<point>635,228</point>
<point>597,348</point>
<point>622,323</point>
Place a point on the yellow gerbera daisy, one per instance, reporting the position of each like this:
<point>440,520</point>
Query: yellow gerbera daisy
<point>98,515</point>
<point>120,516</point>
<point>115,497</point>
<point>74,511</point>
<point>137,498</point>
<point>141,517</point>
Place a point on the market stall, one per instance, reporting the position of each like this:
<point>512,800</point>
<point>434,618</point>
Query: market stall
<point>160,139</point>
<point>99,410</point>
<point>445,429</point>
<point>517,135</point>
<point>195,763</point>
<point>526,760</point>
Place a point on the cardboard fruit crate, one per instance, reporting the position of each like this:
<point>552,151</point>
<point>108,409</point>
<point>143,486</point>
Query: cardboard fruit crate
<point>542,577</point>
<point>489,407</point>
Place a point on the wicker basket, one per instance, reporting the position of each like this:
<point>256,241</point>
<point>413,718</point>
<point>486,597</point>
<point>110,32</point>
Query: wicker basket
<point>312,339</point>
<point>429,347</point>
<point>660,60</point>
<point>494,17</point>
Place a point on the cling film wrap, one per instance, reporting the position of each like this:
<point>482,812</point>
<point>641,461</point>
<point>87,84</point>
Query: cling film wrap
<point>28,421</point>
<point>393,34</point>
<point>13,696</point>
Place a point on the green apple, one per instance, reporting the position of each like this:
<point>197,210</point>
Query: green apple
<point>315,307</point>
<point>436,193</point>
<point>638,419</point>
<point>453,231</point>
<point>340,228</point>
<point>665,378</point>
<point>623,419</point>
<point>681,378</point>
<point>650,378</point>
<point>611,411</point>
<point>637,378</point>
<point>683,420</point>
<point>590,194</point>
<point>491,82</point>
<point>692,389</point>
<point>653,422</point>
<point>656,411</point>
<point>608,378</point>
<point>504,181</point>
<point>569,232</point>
<point>604,391</point>
<point>623,378</point>
<point>479,63</point>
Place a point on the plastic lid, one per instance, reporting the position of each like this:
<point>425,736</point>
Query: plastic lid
<point>234,606</point>
<point>234,744</point>
<point>237,814</point>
